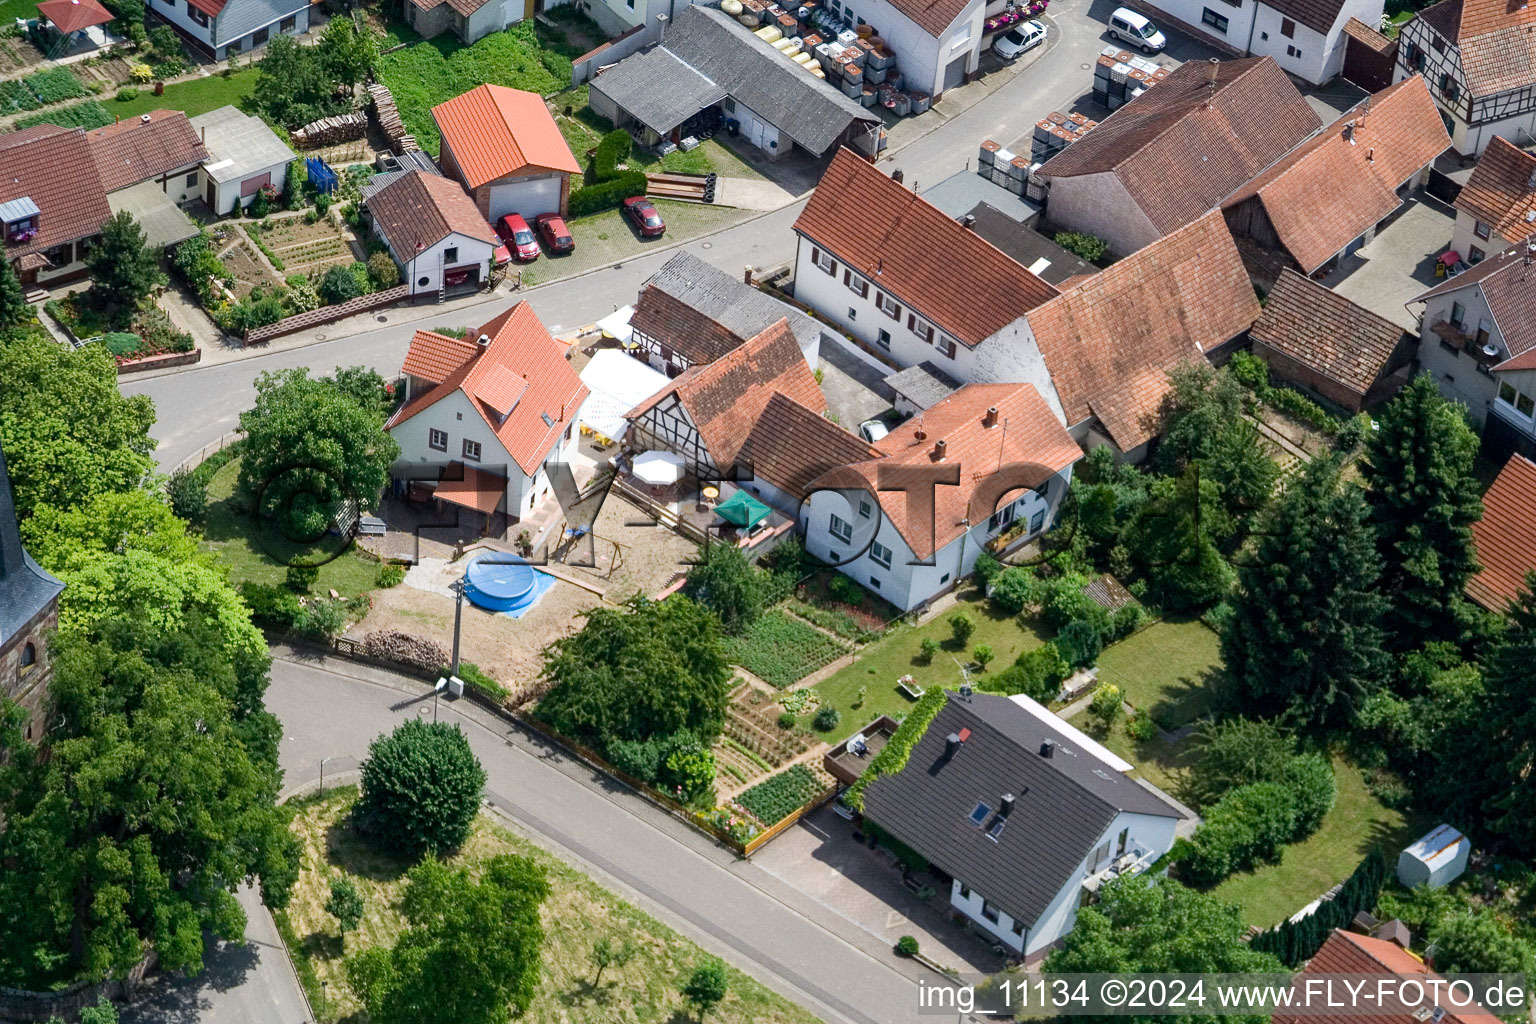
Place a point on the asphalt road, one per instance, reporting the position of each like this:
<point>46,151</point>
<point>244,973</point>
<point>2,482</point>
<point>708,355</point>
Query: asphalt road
<point>726,905</point>
<point>198,406</point>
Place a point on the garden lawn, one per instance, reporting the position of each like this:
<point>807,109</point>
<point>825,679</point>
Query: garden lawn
<point>233,537</point>
<point>194,97</point>
<point>10,10</point>
<point>782,649</point>
<point>422,76</point>
<point>1166,765</point>
<point>577,912</point>
<point>1166,670</point>
<point>897,654</point>
<point>1310,868</point>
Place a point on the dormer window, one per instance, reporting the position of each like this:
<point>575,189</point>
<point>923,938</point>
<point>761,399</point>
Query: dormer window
<point>21,217</point>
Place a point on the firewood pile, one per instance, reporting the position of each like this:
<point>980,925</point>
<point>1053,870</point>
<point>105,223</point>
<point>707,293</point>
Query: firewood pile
<point>330,130</point>
<point>390,122</point>
<point>407,648</point>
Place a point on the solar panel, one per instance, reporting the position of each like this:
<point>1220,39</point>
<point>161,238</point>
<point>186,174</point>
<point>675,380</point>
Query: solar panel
<point>979,815</point>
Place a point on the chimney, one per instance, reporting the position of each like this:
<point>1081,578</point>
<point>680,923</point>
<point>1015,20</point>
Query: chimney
<point>898,176</point>
<point>968,221</point>
<point>1370,155</point>
<point>937,455</point>
<point>204,131</point>
<point>483,341</point>
<point>953,742</point>
<point>1349,133</point>
<point>1007,807</point>
<point>1212,66</point>
<point>746,276</point>
<point>990,419</point>
<point>1047,748</point>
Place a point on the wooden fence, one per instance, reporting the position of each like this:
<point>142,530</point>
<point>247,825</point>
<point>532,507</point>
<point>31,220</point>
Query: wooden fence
<point>778,828</point>
<point>328,314</point>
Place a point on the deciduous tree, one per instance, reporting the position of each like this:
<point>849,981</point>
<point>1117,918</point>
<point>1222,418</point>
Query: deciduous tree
<point>650,669</point>
<point>421,788</point>
<point>14,308</point>
<point>471,953</point>
<point>706,987</point>
<point>1424,499</point>
<point>1305,638</point>
<point>345,905</point>
<point>726,583</point>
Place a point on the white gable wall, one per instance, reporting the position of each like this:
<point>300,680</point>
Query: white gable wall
<point>1456,372</point>
<point>424,272</point>
<point>456,416</point>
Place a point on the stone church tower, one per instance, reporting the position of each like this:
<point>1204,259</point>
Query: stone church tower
<point>29,611</point>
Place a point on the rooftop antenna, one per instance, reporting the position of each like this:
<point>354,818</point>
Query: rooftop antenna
<point>965,675</point>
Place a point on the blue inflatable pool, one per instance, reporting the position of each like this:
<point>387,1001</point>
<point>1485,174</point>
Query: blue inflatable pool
<point>501,583</point>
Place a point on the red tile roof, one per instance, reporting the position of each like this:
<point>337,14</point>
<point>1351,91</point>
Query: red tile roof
<point>725,398</point>
<point>945,272</point>
<point>473,488</point>
<point>1348,953</point>
<point>464,7</point>
<point>1323,330</point>
<point>790,446</point>
<point>1181,148</point>
<point>520,351</point>
<point>1506,536</point>
<point>417,210</point>
<point>209,7</point>
<point>144,147</point>
<point>1332,188</point>
<point>1502,190</point>
<point>1189,293</point>
<point>1508,285</point>
<point>434,356</point>
<point>932,16</point>
<point>53,167</point>
<point>1360,31</point>
<point>1025,432</point>
<point>1495,39</point>
<point>495,132</point>
<point>73,15</point>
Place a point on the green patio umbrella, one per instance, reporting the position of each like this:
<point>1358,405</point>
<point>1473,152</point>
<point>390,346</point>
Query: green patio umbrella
<point>743,510</point>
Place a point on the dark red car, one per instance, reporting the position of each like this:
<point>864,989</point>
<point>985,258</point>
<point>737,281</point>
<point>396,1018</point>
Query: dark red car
<point>514,231</point>
<point>643,212</point>
<point>551,228</point>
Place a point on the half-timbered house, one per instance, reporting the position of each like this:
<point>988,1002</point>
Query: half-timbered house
<point>1479,57</point>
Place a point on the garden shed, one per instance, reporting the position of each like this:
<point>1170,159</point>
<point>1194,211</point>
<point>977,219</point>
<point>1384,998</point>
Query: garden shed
<point>243,156</point>
<point>1435,860</point>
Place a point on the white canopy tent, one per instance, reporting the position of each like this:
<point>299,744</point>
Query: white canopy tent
<point>616,325</point>
<point>618,383</point>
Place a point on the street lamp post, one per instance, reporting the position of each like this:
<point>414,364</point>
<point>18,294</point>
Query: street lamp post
<point>323,762</point>
<point>323,986</point>
<point>457,586</point>
<point>437,690</point>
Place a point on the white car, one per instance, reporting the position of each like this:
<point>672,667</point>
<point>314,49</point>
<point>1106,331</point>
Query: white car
<point>1019,40</point>
<point>1126,26</point>
<point>873,430</point>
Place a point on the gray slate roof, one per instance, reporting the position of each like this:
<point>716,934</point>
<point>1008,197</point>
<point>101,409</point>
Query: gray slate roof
<point>25,587</point>
<point>1064,802</point>
<point>960,193</point>
<point>240,18</point>
<point>658,89</point>
<point>705,56</point>
<point>415,160</point>
<point>239,145</point>
<point>925,385</point>
<point>728,301</point>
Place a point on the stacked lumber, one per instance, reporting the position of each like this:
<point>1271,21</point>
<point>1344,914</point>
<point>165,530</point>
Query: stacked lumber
<point>330,130</point>
<point>388,116</point>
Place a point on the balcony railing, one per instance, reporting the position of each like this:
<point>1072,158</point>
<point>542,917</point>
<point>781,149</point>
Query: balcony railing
<point>1133,861</point>
<point>1456,335</point>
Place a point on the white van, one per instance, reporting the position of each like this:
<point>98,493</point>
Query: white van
<point>1126,26</point>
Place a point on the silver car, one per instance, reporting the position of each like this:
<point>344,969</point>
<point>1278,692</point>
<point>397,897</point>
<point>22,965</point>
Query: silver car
<point>1019,40</point>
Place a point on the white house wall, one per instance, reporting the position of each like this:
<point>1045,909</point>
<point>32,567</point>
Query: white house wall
<point>424,273</point>
<point>1098,204</point>
<point>903,584</point>
<point>454,415</point>
<point>922,57</point>
<point>227,193</point>
<point>175,12</point>
<point>1456,373</point>
<point>1153,833</point>
<point>1519,129</point>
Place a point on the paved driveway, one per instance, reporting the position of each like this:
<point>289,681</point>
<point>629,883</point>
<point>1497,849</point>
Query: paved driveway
<point>825,857</point>
<point>1399,263</point>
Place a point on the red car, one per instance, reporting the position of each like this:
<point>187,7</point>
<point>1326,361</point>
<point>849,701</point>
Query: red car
<point>551,228</point>
<point>643,212</point>
<point>514,231</point>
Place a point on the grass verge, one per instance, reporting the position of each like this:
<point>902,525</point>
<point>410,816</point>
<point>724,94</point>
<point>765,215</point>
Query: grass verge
<point>577,912</point>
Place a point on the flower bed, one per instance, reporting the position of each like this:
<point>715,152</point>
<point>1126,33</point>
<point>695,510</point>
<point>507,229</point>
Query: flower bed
<point>776,798</point>
<point>150,333</point>
<point>781,649</point>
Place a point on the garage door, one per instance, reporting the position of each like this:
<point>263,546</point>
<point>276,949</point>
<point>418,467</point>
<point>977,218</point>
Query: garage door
<point>954,72</point>
<point>529,198</point>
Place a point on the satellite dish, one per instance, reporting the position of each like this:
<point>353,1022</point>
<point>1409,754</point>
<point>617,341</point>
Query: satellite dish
<point>1491,351</point>
<point>965,691</point>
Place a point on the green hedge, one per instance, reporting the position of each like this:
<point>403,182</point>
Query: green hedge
<point>613,150</point>
<point>608,194</point>
<point>893,758</point>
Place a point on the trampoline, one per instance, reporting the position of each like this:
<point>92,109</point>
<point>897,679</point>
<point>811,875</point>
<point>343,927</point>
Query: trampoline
<point>501,583</point>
